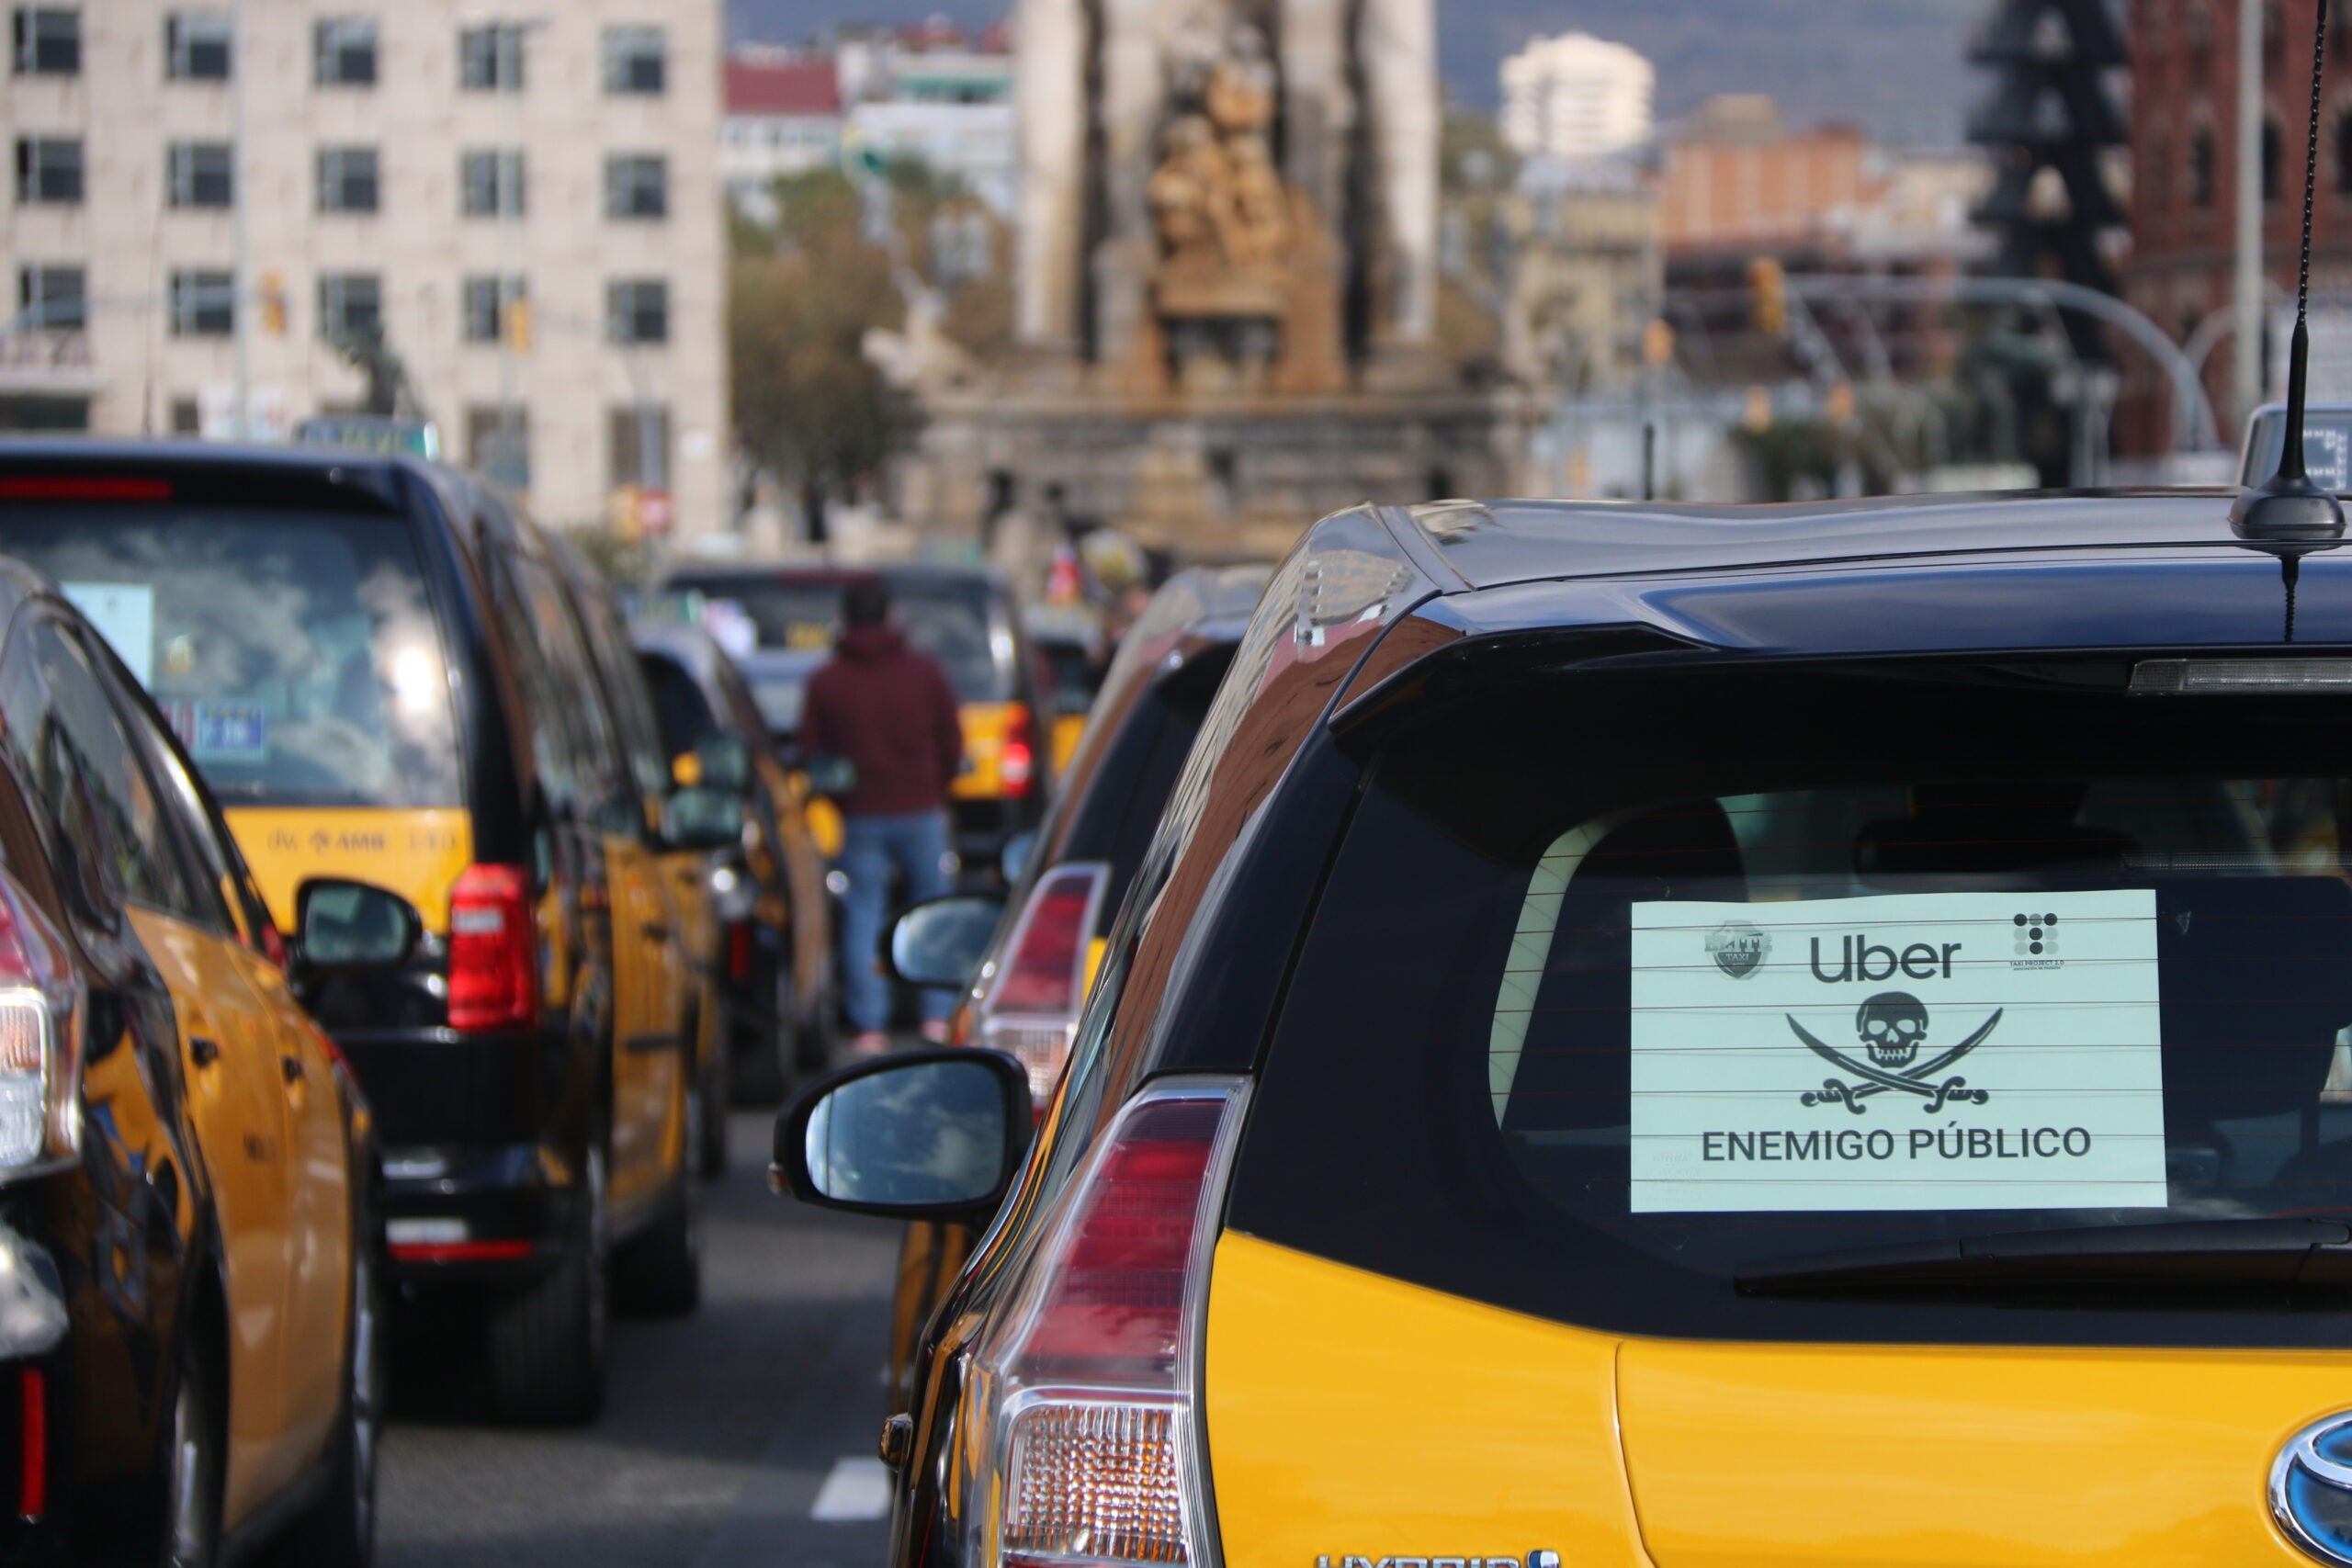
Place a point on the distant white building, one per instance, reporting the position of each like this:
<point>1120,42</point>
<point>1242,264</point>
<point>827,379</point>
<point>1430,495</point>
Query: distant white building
<point>1575,97</point>
<point>935,95</point>
<point>783,118</point>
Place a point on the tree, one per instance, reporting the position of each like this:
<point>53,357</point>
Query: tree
<point>809,405</point>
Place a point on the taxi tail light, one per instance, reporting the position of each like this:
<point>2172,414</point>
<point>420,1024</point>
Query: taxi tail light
<point>1092,1389</point>
<point>494,957</point>
<point>1032,1010</point>
<point>738,952</point>
<point>40,1017</point>
<point>1016,765</point>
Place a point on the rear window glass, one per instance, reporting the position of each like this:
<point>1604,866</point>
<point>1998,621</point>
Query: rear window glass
<point>1833,961</point>
<point>296,654</point>
<point>949,621</point>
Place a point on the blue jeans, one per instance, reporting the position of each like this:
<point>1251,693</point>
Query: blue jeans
<point>915,846</point>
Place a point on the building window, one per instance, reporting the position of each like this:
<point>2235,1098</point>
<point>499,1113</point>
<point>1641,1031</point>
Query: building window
<point>196,46</point>
<point>498,443</point>
<point>637,186</point>
<point>346,51</point>
<point>49,170</point>
<point>490,183</point>
<point>636,60</point>
<point>203,303</point>
<point>200,174</point>
<point>2200,167</point>
<point>52,299</point>
<point>2271,174</point>
<point>2159,176</point>
<point>48,40</point>
<point>2274,34</point>
<point>489,58</point>
<point>488,300</point>
<point>636,310</point>
<point>187,418</point>
<point>639,441</point>
<point>349,181</point>
<point>2200,32</point>
<point>2343,149</point>
<point>351,306</point>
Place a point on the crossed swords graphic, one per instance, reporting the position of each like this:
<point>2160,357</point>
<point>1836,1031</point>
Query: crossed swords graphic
<point>1835,1091</point>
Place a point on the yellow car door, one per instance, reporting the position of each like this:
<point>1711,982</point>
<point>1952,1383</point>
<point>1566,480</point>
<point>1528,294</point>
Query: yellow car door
<point>649,996</point>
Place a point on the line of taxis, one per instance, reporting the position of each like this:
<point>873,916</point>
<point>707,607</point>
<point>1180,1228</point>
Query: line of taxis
<point>358,938</point>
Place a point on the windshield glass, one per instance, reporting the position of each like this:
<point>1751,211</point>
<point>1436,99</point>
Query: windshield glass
<point>948,620</point>
<point>296,654</point>
<point>1835,961</point>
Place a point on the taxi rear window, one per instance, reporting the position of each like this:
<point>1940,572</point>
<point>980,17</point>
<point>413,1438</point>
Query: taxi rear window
<point>950,621</point>
<point>296,654</point>
<point>1627,991</point>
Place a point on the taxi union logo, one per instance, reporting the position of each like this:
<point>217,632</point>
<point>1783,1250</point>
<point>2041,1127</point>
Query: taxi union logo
<point>1892,1028</point>
<point>1739,948</point>
<point>2037,942</point>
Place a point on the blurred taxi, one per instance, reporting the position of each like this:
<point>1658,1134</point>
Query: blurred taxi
<point>963,618</point>
<point>1071,646</point>
<point>1024,999</point>
<point>382,675</point>
<point>774,911</point>
<point>1662,1034</point>
<point>190,1353</point>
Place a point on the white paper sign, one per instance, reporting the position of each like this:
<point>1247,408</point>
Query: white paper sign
<point>124,614</point>
<point>1913,1051</point>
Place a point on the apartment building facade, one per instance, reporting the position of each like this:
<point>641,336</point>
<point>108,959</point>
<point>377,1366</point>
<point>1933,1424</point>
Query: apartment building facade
<point>522,207</point>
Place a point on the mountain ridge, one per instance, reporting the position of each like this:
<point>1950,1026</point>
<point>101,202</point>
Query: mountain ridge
<point>1898,68</point>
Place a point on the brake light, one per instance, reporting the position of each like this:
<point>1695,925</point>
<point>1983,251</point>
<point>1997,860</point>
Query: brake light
<point>1016,765</point>
<point>1031,1012</point>
<point>81,486</point>
<point>738,952</point>
<point>40,1037</point>
<point>1091,1387</point>
<point>494,957</point>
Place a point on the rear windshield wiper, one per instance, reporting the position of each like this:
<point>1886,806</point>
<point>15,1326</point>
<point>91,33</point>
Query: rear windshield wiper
<point>2187,1252</point>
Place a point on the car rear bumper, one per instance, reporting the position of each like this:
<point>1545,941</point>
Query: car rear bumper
<point>494,1215</point>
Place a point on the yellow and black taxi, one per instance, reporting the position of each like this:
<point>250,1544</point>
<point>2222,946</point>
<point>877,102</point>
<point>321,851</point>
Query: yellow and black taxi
<point>1654,1035</point>
<point>773,911</point>
<point>1024,998</point>
<point>964,617</point>
<point>190,1356</point>
<point>382,675</point>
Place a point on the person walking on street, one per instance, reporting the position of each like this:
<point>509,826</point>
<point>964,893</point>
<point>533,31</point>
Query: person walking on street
<point>887,709</point>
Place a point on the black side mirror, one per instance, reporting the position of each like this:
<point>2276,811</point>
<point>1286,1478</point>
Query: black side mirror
<point>935,1134</point>
<point>830,776</point>
<point>353,925</point>
<point>703,816</point>
<point>725,759</point>
<point>942,940</point>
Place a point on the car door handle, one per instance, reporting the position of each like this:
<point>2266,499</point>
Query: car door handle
<point>203,1050</point>
<point>657,931</point>
<point>293,1069</point>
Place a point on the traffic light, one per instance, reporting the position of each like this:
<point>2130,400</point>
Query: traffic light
<point>518,323</point>
<point>272,303</point>
<point>1768,296</point>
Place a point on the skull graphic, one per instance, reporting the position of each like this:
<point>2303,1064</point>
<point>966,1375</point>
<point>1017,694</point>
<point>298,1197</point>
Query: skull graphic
<point>1894,1024</point>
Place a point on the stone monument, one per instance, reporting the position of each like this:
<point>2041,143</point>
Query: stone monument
<point>1224,290</point>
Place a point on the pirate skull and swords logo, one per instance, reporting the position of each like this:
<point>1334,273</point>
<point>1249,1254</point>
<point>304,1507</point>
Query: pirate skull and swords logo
<point>1892,1030</point>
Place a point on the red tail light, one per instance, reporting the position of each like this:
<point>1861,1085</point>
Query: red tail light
<point>1094,1454</point>
<point>32,1462</point>
<point>738,952</point>
<point>494,951</point>
<point>1032,1010</point>
<point>1016,765</point>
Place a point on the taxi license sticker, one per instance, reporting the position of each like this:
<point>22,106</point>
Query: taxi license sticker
<point>1911,1051</point>
<point>124,614</point>
<point>222,732</point>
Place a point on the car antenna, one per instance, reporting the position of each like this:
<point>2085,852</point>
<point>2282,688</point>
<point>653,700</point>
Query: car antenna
<point>2287,508</point>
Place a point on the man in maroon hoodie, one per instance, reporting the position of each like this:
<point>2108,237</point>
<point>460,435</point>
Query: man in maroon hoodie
<point>887,708</point>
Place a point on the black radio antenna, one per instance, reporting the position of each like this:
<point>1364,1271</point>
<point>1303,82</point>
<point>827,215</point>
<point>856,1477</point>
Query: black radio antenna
<point>2287,506</point>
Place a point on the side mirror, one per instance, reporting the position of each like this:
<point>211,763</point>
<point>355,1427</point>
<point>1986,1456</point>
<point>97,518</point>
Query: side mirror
<point>931,1134</point>
<point>941,941</point>
<point>353,925</point>
<point>1013,859</point>
<point>703,818</point>
<point>830,776</point>
<point>725,757</point>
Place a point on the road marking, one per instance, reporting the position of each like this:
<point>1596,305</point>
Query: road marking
<point>854,1489</point>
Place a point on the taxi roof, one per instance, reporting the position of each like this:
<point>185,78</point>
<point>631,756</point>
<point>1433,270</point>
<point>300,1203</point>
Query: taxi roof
<point>1490,544</point>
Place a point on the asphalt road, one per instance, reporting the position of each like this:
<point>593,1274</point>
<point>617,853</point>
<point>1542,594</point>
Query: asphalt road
<point>741,1435</point>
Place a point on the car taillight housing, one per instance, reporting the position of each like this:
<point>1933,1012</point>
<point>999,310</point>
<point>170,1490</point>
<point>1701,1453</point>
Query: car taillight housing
<point>494,950</point>
<point>1016,764</point>
<point>1088,1389</point>
<point>1031,1008</point>
<point>41,1044</point>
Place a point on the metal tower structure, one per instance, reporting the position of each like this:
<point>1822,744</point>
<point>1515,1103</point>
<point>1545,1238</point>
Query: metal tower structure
<point>2049,125</point>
